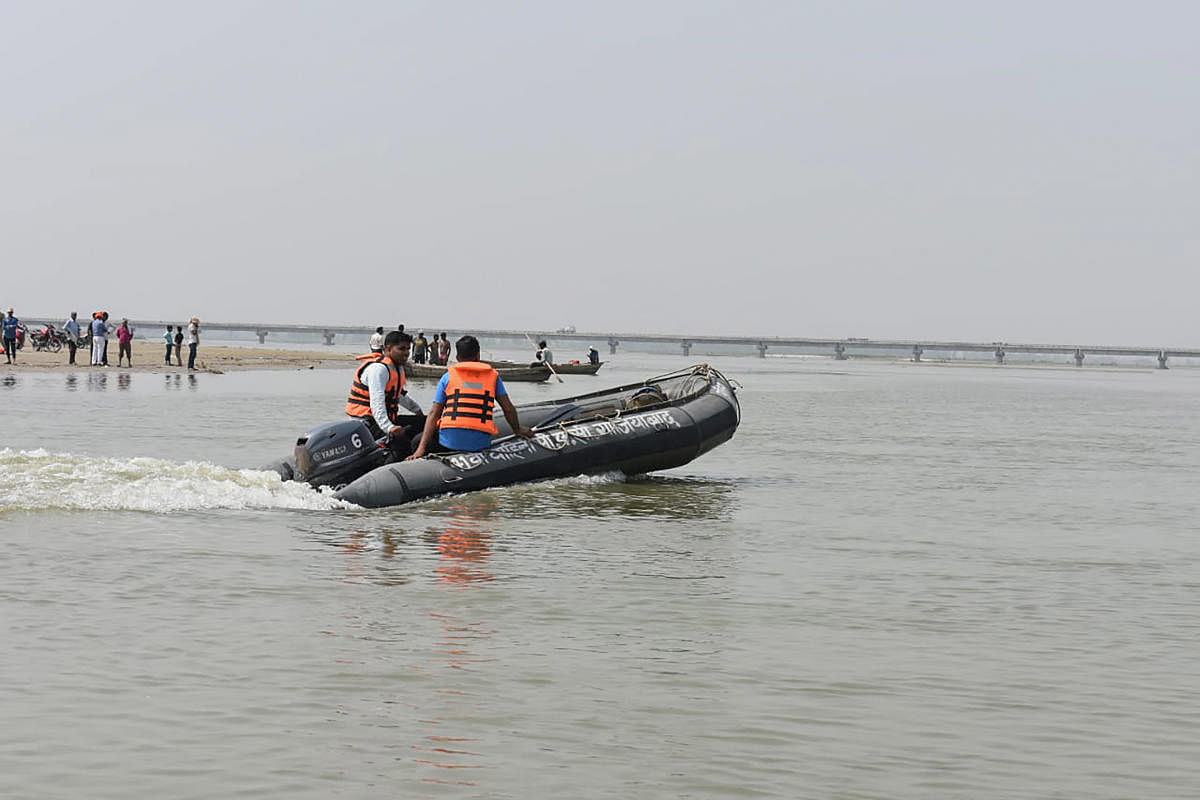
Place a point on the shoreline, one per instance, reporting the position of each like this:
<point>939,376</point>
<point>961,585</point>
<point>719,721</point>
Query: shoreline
<point>216,360</point>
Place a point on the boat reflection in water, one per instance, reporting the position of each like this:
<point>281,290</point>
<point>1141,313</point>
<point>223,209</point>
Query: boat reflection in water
<point>463,541</point>
<point>613,495</point>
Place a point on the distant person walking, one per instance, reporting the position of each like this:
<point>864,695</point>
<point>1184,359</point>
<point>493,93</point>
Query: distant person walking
<point>420,348</point>
<point>193,341</point>
<point>169,338</point>
<point>124,343</point>
<point>71,327</point>
<point>99,332</point>
<point>10,326</point>
<point>179,345</point>
<point>377,340</point>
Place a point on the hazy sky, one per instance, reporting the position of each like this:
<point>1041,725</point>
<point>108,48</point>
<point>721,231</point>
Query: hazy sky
<point>950,170</point>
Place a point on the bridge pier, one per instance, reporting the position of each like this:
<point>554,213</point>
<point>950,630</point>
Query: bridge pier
<point>612,345</point>
<point>328,337</point>
<point>839,352</point>
<point>1078,357</point>
<point>762,349</point>
<point>917,351</point>
<point>1162,359</point>
<point>687,347</point>
<point>262,335</point>
<point>999,355</point>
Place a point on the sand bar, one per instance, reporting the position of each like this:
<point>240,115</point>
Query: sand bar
<point>149,358</point>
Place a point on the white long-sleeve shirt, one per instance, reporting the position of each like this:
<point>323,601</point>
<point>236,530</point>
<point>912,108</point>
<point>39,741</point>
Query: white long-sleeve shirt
<point>375,376</point>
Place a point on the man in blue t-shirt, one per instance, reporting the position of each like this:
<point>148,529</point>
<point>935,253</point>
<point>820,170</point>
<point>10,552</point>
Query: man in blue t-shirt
<point>471,389</point>
<point>10,325</point>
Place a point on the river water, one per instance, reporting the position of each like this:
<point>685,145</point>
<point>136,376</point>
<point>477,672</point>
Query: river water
<point>896,580</point>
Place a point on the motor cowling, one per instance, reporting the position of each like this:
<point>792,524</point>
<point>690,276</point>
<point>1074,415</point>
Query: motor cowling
<point>336,453</point>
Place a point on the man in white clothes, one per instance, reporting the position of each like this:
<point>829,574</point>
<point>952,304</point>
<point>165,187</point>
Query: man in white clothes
<point>193,341</point>
<point>99,340</point>
<point>377,393</point>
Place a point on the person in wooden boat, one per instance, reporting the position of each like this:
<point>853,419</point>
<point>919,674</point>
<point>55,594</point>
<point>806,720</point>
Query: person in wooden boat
<point>544,354</point>
<point>593,355</point>
<point>463,405</point>
<point>377,393</point>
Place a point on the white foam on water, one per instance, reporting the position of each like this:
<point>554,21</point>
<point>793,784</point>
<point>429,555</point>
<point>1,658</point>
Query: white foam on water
<point>597,479</point>
<point>37,480</point>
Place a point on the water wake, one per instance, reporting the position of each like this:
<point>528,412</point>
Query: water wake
<point>37,480</point>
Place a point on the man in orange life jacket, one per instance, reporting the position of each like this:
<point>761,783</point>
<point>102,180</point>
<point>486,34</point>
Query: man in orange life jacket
<point>377,393</point>
<point>463,404</point>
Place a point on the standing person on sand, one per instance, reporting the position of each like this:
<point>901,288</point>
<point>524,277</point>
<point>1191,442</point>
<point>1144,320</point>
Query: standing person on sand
<point>193,341</point>
<point>99,331</point>
<point>104,349</point>
<point>179,345</point>
<point>377,340</point>
<point>462,408</point>
<point>169,338</point>
<point>71,326</point>
<point>124,342</point>
<point>443,347</point>
<point>10,336</point>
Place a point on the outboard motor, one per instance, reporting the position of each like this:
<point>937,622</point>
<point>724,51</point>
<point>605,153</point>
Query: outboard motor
<point>336,453</point>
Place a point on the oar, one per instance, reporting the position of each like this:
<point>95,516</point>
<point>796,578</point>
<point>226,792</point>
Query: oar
<point>547,363</point>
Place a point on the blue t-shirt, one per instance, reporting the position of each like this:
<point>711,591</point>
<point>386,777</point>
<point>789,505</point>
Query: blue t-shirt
<point>10,327</point>
<point>461,438</point>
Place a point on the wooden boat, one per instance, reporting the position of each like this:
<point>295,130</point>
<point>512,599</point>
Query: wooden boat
<point>509,372</point>
<point>577,368</point>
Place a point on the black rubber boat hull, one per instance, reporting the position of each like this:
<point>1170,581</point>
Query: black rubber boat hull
<point>633,442</point>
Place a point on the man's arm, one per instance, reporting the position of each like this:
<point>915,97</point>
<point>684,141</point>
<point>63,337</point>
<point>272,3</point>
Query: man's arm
<point>510,414</point>
<point>431,422</point>
<point>410,404</point>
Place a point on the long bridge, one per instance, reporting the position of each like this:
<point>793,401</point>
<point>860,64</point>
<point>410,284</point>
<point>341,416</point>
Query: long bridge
<point>840,349</point>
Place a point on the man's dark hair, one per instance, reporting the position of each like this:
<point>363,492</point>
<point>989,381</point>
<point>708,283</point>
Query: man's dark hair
<point>467,348</point>
<point>379,329</point>
<point>542,343</point>
<point>396,337</point>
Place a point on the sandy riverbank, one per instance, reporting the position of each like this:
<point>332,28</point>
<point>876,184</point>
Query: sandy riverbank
<point>149,358</point>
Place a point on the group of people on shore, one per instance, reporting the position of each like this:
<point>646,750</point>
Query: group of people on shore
<point>95,337</point>
<point>423,351</point>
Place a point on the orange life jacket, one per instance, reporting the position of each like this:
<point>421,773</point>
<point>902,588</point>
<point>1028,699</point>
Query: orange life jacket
<point>359,402</point>
<point>470,397</point>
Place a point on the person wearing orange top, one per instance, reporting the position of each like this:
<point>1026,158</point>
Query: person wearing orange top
<point>463,405</point>
<point>377,393</point>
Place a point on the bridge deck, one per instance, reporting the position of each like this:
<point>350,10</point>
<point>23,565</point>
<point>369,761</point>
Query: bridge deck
<point>761,344</point>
